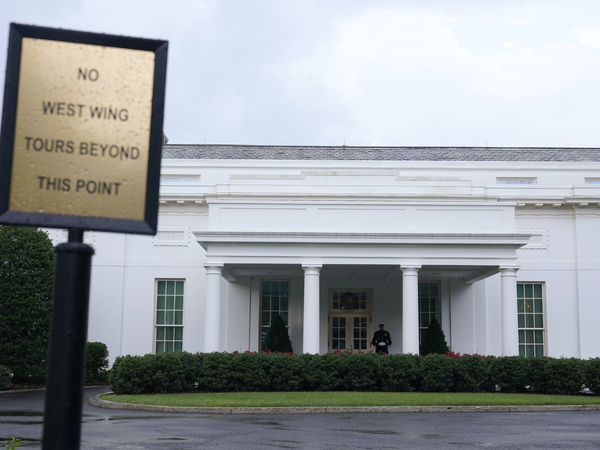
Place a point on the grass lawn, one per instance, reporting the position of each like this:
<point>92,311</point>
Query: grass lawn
<point>282,399</point>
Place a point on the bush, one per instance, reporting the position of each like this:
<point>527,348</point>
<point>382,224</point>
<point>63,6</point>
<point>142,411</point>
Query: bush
<point>216,374</point>
<point>287,372</point>
<point>165,373</point>
<point>96,362</point>
<point>323,373</point>
<point>471,373</point>
<point>564,376</point>
<point>509,373</point>
<point>437,373</point>
<point>536,374</point>
<point>434,340</point>
<point>5,378</point>
<point>130,375</point>
<point>592,374</point>
<point>358,372</point>
<point>149,374</point>
<point>398,373</point>
<point>249,372</point>
<point>191,364</point>
<point>277,338</point>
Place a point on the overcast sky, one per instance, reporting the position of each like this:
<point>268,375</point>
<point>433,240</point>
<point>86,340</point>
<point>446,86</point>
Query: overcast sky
<point>376,72</point>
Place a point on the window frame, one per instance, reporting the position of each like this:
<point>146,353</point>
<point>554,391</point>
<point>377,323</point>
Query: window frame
<point>155,315</point>
<point>261,336</point>
<point>438,313</point>
<point>533,329</point>
<point>367,298</point>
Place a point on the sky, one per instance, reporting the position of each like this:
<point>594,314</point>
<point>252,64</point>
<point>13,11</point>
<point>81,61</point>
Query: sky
<point>497,73</point>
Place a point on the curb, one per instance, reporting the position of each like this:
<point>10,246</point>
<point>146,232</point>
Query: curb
<point>96,401</point>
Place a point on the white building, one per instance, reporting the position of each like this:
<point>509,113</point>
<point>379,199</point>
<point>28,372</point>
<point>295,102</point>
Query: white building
<point>501,245</point>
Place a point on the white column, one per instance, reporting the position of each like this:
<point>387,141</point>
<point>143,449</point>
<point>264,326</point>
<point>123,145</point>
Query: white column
<point>510,324</point>
<point>310,334</point>
<point>212,314</point>
<point>410,309</point>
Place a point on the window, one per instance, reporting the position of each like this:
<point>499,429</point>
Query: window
<point>530,308</point>
<point>516,180</point>
<point>428,306</point>
<point>592,181</point>
<point>275,298</point>
<point>349,300</point>
<point>169,316</point>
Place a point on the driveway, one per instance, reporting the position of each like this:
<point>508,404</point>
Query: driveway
<point>21,415</point>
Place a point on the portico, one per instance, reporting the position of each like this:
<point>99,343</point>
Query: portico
<point>396,259</point>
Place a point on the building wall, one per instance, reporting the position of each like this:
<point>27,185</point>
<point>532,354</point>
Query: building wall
<point>588,274</point>
<point>553,261</point>
<point>559,211</point>
<point>462,310</point>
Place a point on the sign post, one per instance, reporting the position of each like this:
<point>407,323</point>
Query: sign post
<point>68,340</point>
<point>80,149</point>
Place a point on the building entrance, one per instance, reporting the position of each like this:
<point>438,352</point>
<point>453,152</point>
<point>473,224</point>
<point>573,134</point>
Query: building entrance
<point>349,320</point>
<point>349,333</point>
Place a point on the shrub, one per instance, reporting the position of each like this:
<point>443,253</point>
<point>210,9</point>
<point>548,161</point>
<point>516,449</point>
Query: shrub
<point>564,376</point>
<point>165,373</point>
<point>323,373</point>
<point>437,373</point>
<point>358,372</point>
<point>536,374</point>
<point>434,340</point>
<point>216,374</point>
<point>277,338</point>
<point>5,377</point>
<point>150,374</point>
<point>397,372</point>
<point>96,362</point>
<point>248,372</point>
<point>191,365</point>
<point>509,372</point>
<point>592,374</point>
<point>471,373</point>
<point>26,275</point>
<point>130,375</point>
<point>287,372</point>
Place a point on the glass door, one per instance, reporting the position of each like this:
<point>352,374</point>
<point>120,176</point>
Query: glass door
<point>350,333</point>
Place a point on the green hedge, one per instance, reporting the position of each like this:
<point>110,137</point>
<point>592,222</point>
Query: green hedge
<point>5,378</point>
<point>399,373</point>
<point>230,372</point>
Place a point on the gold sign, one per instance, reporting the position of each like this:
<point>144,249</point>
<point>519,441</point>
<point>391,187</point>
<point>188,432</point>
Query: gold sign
<point>82,130</point>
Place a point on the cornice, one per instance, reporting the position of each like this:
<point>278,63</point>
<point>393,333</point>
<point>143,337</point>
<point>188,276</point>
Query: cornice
<point>515,240</point>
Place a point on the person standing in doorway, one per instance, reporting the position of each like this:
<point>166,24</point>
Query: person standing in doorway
<point>381,340</point>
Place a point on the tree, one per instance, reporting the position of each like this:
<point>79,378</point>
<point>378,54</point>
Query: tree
<point>434,340</point>
<point>277,338</point>
<point>26,274</point>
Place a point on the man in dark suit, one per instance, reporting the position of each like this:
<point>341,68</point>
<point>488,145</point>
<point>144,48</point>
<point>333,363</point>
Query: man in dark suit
<point>381,340</point>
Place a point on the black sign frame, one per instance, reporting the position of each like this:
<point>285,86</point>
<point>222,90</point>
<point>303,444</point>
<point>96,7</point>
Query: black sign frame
<point>11,88</point>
